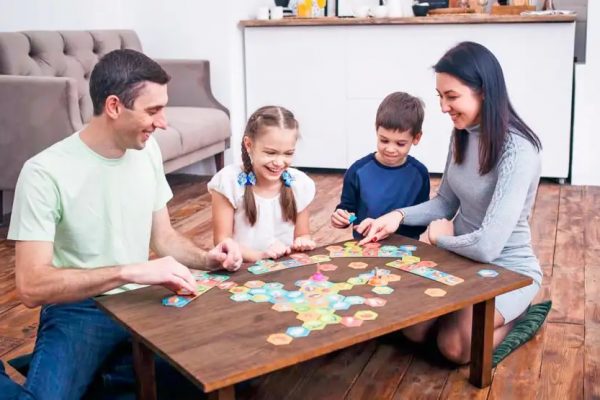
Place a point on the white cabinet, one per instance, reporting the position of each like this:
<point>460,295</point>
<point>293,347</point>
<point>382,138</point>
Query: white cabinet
<point>334,77</point>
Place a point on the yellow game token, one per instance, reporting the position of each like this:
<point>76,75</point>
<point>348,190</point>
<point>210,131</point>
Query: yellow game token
<point>435,292</point>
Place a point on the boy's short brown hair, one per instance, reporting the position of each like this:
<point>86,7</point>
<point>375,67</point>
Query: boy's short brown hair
<point>402,112</point>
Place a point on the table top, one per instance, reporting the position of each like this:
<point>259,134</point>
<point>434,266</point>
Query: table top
<point>217,342</point>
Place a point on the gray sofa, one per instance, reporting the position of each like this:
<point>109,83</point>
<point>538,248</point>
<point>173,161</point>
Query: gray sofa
<point>44,97</point>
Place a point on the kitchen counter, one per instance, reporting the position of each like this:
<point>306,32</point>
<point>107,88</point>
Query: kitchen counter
<point>432,19</point>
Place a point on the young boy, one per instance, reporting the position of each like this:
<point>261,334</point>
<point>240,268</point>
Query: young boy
<point>389,178</point>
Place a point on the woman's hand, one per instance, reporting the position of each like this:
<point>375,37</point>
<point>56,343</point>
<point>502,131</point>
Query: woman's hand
<point>374,230</point>
<point>340,219</point>
<point>303,243</point>
<point>440,227</point>
<point>276,250</point>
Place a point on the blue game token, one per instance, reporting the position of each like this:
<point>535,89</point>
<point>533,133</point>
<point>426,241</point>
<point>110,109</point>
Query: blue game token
<point>488,273</point>
<point>352,218</point>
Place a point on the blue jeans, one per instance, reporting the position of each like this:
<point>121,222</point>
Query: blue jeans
<point>81,352</point>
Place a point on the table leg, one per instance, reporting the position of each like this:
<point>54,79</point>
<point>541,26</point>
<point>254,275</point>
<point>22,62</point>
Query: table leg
<point>226,393</point>
<point>143,364</point>
<point>482,340</point>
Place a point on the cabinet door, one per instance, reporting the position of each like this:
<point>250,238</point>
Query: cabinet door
<point>302,69</point>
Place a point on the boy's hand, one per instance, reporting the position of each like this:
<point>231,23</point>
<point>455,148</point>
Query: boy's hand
<point>303,243</point>
<point>340,218</point>
<point>440,227</point>
<point>276,250</point>
<point>374,230</point>
<point>226,254</point>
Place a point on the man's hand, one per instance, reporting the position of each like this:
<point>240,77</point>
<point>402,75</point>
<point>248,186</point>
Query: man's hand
<point>226,254</point>
<point>440,227</point>
<point>374,230</point>
<point>340,219</point>
<point>276,250</point>
<point>165,271</point>
<point>303,243</point>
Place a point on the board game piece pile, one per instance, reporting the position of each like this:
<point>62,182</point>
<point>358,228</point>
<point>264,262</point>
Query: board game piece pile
<point>317,301</point>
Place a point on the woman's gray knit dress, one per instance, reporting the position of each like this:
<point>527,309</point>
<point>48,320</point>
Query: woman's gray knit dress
<point>491,212</point>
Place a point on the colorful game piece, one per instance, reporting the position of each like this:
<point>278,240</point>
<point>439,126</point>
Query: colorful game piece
<point>297,331</point>
<point>279,339</point>
<point>393,277</point>
<point>330,319</point>
<point>239,289</point>
<point>204,280</point>
<point>375,302</point>
<point>226,285</point>
<point>254,284</point>
<point>435,292</point>
<point>366,315</point>
<point>358,265</point>
<point>352,218</point>
<point>282,307</point>
<point>314,325</point>
<point>488,273</point>
<point>328,267</point>
<point>351,322</point>
<point>177,300</point>
<point>382,290</point>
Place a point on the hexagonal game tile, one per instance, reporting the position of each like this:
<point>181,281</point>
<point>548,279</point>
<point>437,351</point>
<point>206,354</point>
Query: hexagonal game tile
<point>372,245</point>
<point>258,269</point>
<point>260,298</point>
<point>276,293</point>
<point>366,315</point>
<point>375,302</point>
<point>334,298</point>
<point>294,294</point>
<point>297,331</point>
<point>226,285</point>
<point>279,339</point>
<point>352,243</point>
<point>351,322</point>
<point>375,281</point>
<point>240,297</point>
<point>382,290</point>
<point>334,248</point>
<point>435,292</point>
<point>257,291</point>
<point>238,289</point>
<point>282,307</point>
<point>328,267</point>
<point>300,308</point>
<point>356,281</point>
<point>358,265</point>
<point>254,284</point>
<point>273,285</point>
<point>330,319</point>
<point>314,325</point>
<point>318,302</point>
<point>308,316</point>
<point>324,310</point>
<point>428,264</point>
<point>410,259</point>
<point>302,282</point>
<point>319,258</point>
<point>393,277</point>
<point>342,286</point>
<point>408,247</point>
<point>340,305</point>
<point>353,300</point>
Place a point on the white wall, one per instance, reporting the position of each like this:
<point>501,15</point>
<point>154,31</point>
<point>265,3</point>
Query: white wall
<point>585,168</point>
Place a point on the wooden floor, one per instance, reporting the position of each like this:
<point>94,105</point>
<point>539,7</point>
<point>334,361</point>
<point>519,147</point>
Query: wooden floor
<point>561,362</point>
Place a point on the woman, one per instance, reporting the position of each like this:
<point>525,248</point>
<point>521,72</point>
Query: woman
<point>489,186</point>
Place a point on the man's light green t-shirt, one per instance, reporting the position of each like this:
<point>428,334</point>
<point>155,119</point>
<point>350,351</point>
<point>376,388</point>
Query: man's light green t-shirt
<point>97,211</point>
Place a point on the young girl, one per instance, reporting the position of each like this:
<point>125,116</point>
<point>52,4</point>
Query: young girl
<point>263,203</point>
<point>488,189</point>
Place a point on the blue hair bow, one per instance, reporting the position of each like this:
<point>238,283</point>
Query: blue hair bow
<point>246,179</point>
<point>287,178</point>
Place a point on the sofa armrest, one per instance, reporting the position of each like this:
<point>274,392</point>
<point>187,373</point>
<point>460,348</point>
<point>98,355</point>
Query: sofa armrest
<point>190,84</point>
<point>36,112</point>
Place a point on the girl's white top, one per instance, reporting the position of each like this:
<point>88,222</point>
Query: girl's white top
<point>269,225</point>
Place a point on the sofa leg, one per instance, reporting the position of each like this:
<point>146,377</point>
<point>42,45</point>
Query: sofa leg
<point>220,160</point>
<point>1,208</point>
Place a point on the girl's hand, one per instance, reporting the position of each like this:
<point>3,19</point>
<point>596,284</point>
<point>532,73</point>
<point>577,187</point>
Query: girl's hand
<point>303,243</point>
<point>440,227</point>
<point>276,250</point>
<point>374,230</point>
<point>340,219</point>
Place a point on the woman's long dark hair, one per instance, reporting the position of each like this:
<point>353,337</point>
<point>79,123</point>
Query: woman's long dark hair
<point>478,68</point>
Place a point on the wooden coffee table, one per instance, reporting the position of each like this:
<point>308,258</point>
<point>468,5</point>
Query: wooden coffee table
<point>217,342</point>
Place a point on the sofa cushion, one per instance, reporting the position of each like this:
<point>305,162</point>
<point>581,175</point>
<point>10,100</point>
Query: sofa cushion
<point>199,127</point>
<point>169,141</point>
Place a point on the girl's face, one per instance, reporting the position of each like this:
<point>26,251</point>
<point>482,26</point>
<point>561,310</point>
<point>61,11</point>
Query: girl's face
<point>271,152</point>
<point>460,101</point>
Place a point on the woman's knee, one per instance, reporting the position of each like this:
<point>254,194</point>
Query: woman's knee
<point>415,334</point>
<point>454,346</point>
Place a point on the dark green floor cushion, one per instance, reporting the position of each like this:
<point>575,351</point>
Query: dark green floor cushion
<point>524,330</point>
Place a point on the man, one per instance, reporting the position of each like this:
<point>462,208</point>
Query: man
<point>86,211</point>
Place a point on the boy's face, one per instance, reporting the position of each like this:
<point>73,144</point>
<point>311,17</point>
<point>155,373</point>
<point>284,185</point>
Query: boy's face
<point>393,146</point>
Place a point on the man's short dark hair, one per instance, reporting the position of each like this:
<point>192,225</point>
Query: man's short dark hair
<point>122,73</point>
<point>402,112</point>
